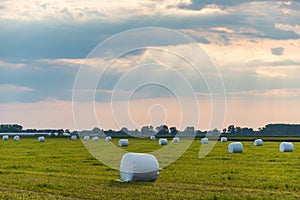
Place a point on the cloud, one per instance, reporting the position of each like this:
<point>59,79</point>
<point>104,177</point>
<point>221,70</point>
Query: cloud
<point>242,63</point>
<point>198,5</point>
<point>12,93</point>
<point>44,43</point>
<point>277,51</point>
<point>295,29</point>
<point>208,9</point>
<point>45,80</point>
<point>270,73</point>
<point>109,11</point>
<point>63,61</point>
<point>4,64</point>
<point>222,29</point>
<point>72,29</point>
<point>281,93</point>
<point>4,88</point>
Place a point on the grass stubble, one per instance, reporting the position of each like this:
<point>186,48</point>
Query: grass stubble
<point>60,168</point>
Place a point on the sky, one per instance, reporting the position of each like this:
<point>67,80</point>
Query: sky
<point>45,45</point>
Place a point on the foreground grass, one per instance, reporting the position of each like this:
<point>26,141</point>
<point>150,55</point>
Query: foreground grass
<point>64,169</point>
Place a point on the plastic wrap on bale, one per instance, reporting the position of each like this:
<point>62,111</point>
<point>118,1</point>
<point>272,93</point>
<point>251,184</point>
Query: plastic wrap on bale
<point>235,147</point>
<point>139,167</point>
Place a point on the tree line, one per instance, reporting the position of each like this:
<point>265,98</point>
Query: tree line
<point>164,130</point>
<point>284,130</point>
<point>16,128</point>
<point>267,130</point>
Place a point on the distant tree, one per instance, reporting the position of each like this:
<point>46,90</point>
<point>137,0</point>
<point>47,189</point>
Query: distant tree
<point>231,129</point>
<point>246,132</point>
<point>224,131</point>
<point>189,130</point>
<point>238,130</point>
<point>213,133</point>
<point>280,130</point>
<point>10,128</point>
<point>124,129</point>
<point>17,128</point>
<point>74,133</point>
<point>30,131</point>
<point>145,130</point>
<point>151,128</point>
<point>109,132</point>
<point>162,130</point>
<point>173,130</point>
<point>60,132</point>
<point>96,130</point>
<point>200,133</point>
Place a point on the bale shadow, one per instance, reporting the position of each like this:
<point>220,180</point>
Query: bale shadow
<point>115,183</point>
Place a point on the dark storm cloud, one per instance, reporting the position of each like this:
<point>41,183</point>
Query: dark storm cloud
<point>38,40</point>
<point>45,81</point>
<point>33,40</point>
<point>76,40</point>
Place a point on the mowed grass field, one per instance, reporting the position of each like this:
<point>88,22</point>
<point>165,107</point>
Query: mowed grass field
<point>63,169</point>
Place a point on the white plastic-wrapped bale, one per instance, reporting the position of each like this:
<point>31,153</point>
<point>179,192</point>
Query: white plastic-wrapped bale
<point>41,139</point>
<point>95,138</point>
<point>152,137</point>
<point>123,142</point>
<point>16,138</point>
<point>162,141</point>
<point>5,137</point>
<point>223,139</point>
<point>204,141</point>
<point>258,142</point>
<point>235,147</point>
<point>139,167</point>
<point>73,137</point>
<point>108,138</point>
<point>86,138</point>
<point>175,139</point>
<point>286,147</point>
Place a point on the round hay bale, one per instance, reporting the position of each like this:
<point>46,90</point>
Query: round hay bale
<point>152,137</point>
<point>258,142</point>
<point>204,140</point>
<point>86,138</point>
<point>123,142</point>
<point>223,139</point>
<point>108,138</point>
<point>175,139</point>
<point>286,147</point>
<point>162,141</point>
<point>95,139</point>
<point>139,167</point>
<point>16,138</point>
<point>73,137</point>
<point>5,137</point>
<point>235,147</point>
<point>41,139</point>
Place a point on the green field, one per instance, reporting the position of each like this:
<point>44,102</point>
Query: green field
<point>63,169</point>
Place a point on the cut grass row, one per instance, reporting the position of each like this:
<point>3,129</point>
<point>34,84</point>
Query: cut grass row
<point>64,169</point>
